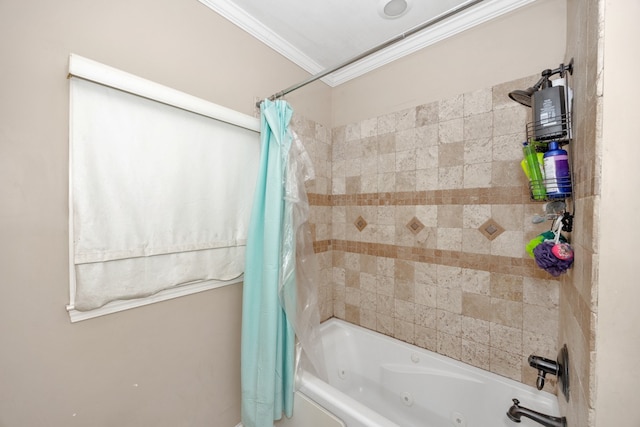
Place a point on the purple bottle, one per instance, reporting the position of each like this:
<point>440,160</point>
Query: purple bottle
<point>557,174</point>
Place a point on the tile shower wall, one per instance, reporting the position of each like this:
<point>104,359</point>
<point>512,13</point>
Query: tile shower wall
<point>420,220</point>
<point>316,139</point>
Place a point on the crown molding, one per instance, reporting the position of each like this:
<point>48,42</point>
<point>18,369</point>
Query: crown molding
<point>469,18</point>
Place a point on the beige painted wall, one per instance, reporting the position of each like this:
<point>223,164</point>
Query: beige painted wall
<point>174,363</point>
<point>502,50</point>
<point>618,333</point>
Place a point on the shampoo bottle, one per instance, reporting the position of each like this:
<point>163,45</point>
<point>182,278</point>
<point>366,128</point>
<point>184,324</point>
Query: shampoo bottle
<point>556,170</point>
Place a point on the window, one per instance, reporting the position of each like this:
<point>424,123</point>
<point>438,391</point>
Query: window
<point>161,188</point>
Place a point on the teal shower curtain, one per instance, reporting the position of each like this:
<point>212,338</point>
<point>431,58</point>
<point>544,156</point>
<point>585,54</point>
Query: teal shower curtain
<point>268,338</point>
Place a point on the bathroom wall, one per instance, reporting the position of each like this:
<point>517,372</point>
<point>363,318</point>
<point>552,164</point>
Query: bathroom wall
<point>444,152</point>
<point>430,220</point>
<point>579,288</point>
<point>174,363</point>
<point>599,316</point>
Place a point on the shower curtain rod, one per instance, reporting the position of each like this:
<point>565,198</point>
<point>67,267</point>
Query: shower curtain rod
<point>373,50</point>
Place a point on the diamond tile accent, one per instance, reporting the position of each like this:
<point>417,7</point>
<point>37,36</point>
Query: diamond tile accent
<point>491,229</point>
<point>415,226</point>
<point>360,223</point>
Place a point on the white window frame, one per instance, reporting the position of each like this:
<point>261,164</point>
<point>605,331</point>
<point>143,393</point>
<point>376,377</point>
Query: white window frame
<point>96,72</point>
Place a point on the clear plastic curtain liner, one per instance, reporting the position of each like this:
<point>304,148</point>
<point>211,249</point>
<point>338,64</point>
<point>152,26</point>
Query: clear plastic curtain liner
<point>298,287</point>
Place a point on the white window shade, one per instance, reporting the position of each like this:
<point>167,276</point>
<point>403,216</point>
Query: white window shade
<point>160,196</point>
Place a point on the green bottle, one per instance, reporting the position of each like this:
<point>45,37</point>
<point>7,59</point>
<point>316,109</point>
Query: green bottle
<point>536,178</point>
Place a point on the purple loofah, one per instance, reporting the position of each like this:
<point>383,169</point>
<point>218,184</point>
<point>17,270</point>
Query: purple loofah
<point>548,261</point>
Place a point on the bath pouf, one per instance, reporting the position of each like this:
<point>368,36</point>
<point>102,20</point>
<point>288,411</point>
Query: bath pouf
<point>548,261</point>
<point>547,235</point>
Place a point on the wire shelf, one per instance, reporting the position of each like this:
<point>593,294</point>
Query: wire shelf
<point>550,189</point>
<point>551,129</point>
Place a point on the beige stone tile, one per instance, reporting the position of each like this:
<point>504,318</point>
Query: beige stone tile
<point>338,186</point>
<point>426,273</point>
<point>540,345</point>
<point>404,331</point>
<point>478,101</point>
<point>507,174</point>
<point>540,320</point>
<point>368,319</point>
<point>451,177</point>
<point>473,241</point>
<point>406,140</point>
<point>406,119</point>
<point>338,276</point>
<point>385,305</point>
<point>541,292</point>
<point>405,160</point>
<point>386,267</point>
<point>450,216</point>
<point>353,150</point>
<point>404,290</point>
<point>447,322</point>
<point>352,296</point>
<point>352,132</point>
<point>451,154</point>
<point>386,143</point>
<point>385,285</point>
<point>427,179</point>
<point>475,354</point>
<point>386,124</point>
<point>404,310</point>
<point>476,281</point>
<point>449,277</point>
<point>368,127</point>
<point>386,163</point>
<point>426,338</point>
<point>478,150</point>
<point>425,316</point>
<point>352,279</point>
<point>384,324</point>
<point>406,181</point>
<point>404,270</point>
<point>451,108</point>
<point>507,313</point>
<point>451,131</point>
<point>506,338</point>
<point>427,157</point>
<point>477,175</point>
<point>509,120</point>
<point>386,182</point>
<point>508,147</point>
<point>427,135</point>
<point>508,216</point>
<point>475,330</point>
<point>449,345</point>
<point>506,364</point>
<point>449,299</point>
<point>509,244</point>
<point>368,300</point>
<point>449,239</point>
<point>478,126</point>
<point>427,114</point>
<point>473,216</point>
<point>426,294</point>
<point>352,261</point>
<point>427,214</point>
<point>506,286</point>
<point>477,306</point>
<point>352,184</point>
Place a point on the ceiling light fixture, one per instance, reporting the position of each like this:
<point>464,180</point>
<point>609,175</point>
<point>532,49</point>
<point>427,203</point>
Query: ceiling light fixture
<point>392,9</point>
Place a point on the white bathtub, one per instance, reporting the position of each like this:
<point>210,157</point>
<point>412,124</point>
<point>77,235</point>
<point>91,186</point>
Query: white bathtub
<point>377,381</point>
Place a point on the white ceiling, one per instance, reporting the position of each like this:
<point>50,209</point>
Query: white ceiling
<point>322,34</point>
